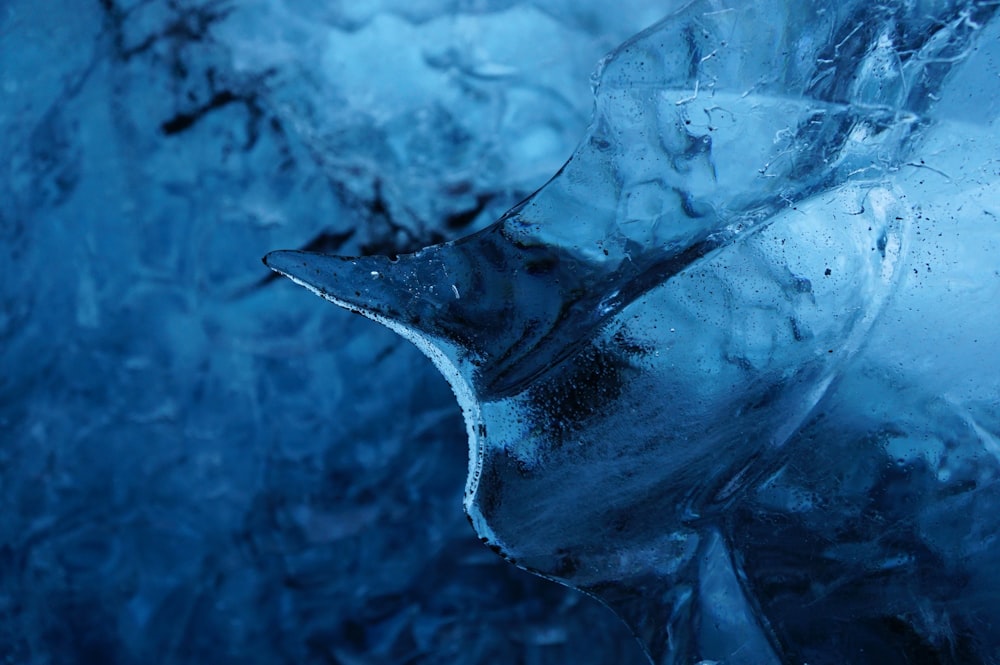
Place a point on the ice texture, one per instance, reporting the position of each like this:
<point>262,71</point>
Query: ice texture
<point>734,369</point>
<point>192,469</point>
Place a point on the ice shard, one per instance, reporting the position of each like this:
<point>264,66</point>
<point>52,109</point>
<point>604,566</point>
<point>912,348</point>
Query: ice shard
<point>733,370</point>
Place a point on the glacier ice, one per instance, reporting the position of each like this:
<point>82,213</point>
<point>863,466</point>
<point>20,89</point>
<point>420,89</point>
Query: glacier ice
<point>188,470</point>
<point>733,369</point>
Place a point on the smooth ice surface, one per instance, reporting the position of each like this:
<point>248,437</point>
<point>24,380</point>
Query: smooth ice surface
<point>734,369</point>
<point>197,463</point>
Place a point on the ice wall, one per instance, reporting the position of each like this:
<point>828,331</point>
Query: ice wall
<point>196,463</point>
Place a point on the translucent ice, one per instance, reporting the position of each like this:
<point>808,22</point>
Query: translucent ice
<point>734,369</point>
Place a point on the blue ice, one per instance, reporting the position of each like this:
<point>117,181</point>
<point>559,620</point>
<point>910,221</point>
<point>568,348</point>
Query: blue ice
<point>733,370</point>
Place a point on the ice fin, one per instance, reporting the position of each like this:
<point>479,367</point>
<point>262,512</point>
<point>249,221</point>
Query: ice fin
<point>399,292</point>
<point>506,309</point>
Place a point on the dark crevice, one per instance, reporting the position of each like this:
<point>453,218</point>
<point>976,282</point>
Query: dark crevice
<point>460,220</point>
<point>183,121</point>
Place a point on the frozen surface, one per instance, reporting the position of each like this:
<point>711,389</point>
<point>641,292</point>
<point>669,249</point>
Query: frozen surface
<point>197,464</point>
<point>733,370</point>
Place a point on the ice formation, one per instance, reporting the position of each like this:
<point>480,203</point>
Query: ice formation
<point>188,471</point>
<point>734,369</point>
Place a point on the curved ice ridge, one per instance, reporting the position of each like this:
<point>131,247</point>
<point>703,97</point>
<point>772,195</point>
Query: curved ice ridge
<point>732,370</point>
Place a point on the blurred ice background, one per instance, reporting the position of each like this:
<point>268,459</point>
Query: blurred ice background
<point>191,469</point>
